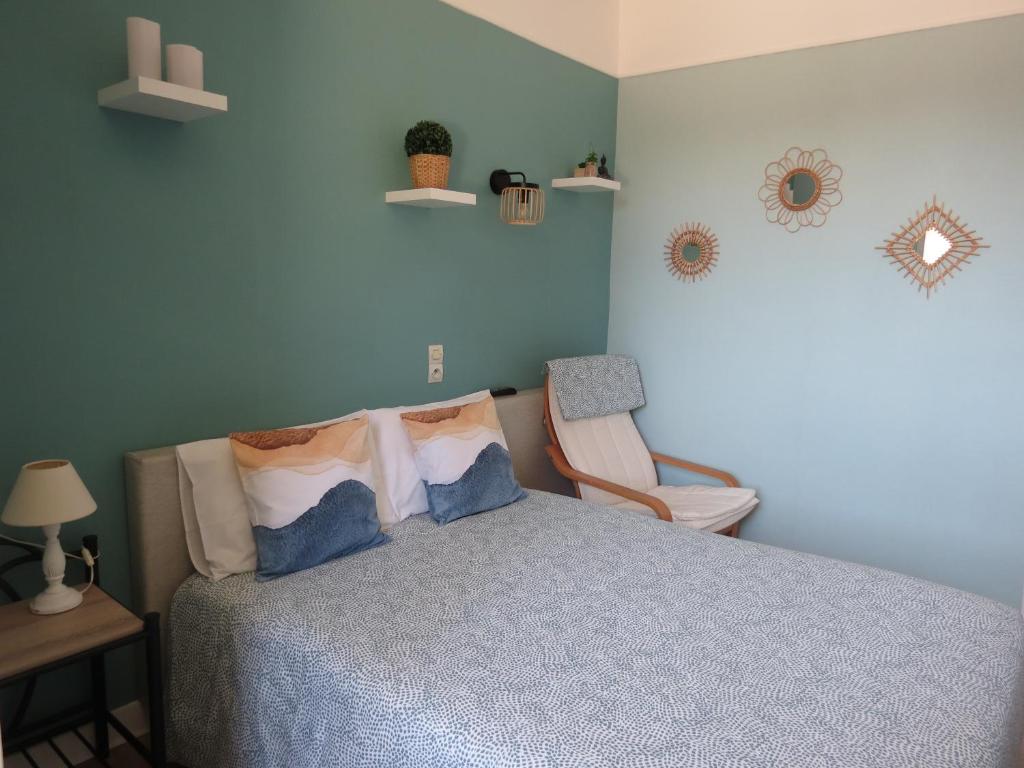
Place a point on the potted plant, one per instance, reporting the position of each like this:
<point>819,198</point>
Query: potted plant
<point>588,167</point>
<point>429,148</point>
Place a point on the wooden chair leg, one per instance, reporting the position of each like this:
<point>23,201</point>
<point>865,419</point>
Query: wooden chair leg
<point>732,531</point>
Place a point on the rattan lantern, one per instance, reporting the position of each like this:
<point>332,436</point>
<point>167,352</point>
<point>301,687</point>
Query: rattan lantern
<point>522,203</point>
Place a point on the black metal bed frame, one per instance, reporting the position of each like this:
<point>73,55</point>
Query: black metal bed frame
<point>19,737</point>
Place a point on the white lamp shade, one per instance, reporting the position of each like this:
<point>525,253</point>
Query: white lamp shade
<point>47,493</point>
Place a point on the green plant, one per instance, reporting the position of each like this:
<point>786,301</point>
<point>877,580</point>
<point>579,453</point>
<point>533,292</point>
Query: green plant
<point>591,158</point>
<point>428,138</point>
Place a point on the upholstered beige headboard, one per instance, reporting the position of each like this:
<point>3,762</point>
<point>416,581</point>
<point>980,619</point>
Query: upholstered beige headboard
<point>160,560</point>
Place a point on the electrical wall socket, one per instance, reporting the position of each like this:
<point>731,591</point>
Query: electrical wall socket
<point>435,353</point>
<point>435,373</point>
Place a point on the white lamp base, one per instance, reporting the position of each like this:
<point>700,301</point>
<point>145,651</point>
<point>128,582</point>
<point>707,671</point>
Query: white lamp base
<point>57,597</point>
<point>58,600</point>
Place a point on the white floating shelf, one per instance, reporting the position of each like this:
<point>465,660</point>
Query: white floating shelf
<point>430,197</point>
<point>157,98</point>
<point>586,184</point>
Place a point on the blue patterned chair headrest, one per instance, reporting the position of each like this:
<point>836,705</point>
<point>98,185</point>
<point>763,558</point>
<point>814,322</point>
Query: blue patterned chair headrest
<point>596,385</point>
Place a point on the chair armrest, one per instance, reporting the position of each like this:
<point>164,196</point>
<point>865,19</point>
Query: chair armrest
<point>700,469</point>
<point>563,467</point>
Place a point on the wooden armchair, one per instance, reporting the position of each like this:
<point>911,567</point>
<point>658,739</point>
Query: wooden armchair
<point>612,465</point>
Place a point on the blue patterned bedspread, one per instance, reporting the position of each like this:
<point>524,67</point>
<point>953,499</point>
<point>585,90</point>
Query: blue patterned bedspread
<point>557,633</point>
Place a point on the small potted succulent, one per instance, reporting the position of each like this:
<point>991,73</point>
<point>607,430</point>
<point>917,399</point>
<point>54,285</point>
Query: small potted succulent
<point>588,167</point>
<point>429,148</point>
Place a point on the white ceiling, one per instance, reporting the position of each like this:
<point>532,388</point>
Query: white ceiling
<point>633,37</point>
<point>584,30</point>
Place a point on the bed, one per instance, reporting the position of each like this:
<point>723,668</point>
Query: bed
<point>556,633</point>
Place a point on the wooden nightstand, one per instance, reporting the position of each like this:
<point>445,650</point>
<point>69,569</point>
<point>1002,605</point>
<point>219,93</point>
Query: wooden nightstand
<point>33,645</point>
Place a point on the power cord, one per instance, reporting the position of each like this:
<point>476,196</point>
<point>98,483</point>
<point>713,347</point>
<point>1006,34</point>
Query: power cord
<point>84,555</point>
<point>90,562</point>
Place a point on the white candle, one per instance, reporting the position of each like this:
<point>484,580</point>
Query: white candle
<point>143,48</point>
<point>185,66</point>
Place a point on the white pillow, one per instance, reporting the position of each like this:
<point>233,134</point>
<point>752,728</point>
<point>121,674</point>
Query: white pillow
<point>398,479</point>
<point>214,499</point>
<point>193,538</point>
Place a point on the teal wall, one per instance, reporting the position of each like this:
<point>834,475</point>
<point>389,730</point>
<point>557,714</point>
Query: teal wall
<point>161,283</point>
<point>878,426</point>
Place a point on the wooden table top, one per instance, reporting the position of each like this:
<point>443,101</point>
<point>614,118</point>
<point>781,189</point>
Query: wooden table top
<point>28,640</point>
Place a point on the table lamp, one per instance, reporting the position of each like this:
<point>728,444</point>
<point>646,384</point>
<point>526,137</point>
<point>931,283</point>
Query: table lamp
<point>47,494</point>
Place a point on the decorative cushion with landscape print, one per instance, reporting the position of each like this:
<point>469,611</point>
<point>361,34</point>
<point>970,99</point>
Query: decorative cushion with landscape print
<point>463,459</point>
<point>310,492</point>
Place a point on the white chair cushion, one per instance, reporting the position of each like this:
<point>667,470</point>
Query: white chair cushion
<point>608,447</point>
<point>700,506</point>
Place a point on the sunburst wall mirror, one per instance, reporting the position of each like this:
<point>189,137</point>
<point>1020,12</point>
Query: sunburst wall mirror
<point>691,252</point>
<point>932,247</point>
<point>800,188</point>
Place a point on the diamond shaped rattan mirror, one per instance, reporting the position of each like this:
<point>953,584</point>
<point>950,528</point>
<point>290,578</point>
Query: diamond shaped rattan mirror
<point>932,247</point>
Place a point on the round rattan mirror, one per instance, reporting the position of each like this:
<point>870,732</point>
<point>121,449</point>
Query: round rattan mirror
<point>691,252</point>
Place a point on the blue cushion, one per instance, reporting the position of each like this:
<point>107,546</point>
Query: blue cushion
<point>310,493</point>
<point>343,523</point>
<point>488,484</point>
<point>462,458</point>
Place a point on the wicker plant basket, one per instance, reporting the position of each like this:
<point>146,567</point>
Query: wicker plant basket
<point>429,171</point>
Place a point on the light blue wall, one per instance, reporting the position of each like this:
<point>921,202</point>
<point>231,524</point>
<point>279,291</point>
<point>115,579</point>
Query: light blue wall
<point>878,426</point>
<point>161,283</point>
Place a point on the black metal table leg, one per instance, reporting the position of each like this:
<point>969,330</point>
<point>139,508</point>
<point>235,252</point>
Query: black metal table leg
<point>98,666</point>
<point>101,736</point>
<point>155,679</point>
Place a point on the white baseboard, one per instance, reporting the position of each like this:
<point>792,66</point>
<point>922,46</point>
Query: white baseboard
<point>131,714</point>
